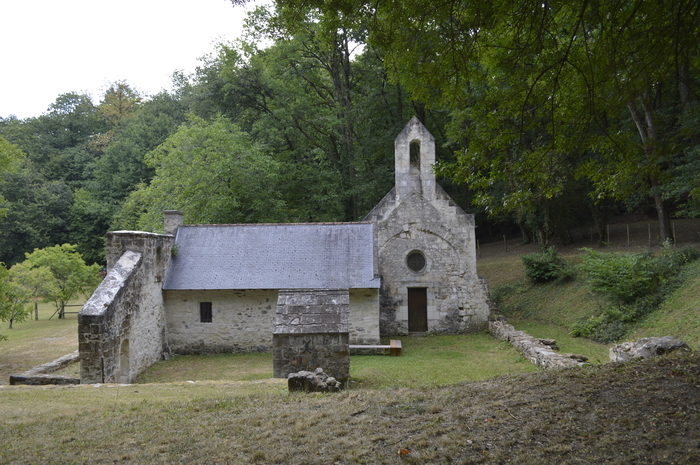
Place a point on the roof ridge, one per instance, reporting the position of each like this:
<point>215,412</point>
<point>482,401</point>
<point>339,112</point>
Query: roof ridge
<point>338,223</point>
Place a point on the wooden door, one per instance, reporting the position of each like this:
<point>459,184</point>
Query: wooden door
<point>417,309</point>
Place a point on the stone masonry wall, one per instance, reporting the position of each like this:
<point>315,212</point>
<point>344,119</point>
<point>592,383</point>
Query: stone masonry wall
<point>364,316</point>
<point>457,296</point>
<point>242,321</point>
<point>122,326</point>
<point>311,331</point>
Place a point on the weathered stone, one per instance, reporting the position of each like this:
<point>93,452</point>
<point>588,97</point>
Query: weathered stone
<point>541,352</point>
<point>122,325</point>
<point>646,348</point>
<point>303,341</point>
<point>427,245</point>
<point>41,374</point>
<point>552,343</point>
<point>312,381</point>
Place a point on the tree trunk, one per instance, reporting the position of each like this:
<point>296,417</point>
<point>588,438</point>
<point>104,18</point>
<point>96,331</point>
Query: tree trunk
<point>665,232</point>
<point>646,127</point>
<point>523,233</point>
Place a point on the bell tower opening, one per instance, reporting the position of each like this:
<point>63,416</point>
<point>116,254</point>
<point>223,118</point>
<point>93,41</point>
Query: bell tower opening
<point>414,156</point>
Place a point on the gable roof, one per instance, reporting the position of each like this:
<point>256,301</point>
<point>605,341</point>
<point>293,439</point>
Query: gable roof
<point>273,256</point>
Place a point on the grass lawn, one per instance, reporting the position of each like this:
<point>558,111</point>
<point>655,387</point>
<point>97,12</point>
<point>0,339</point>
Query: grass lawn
<point>427,361</point>
<point>645,412</point>
<point>33,343</point>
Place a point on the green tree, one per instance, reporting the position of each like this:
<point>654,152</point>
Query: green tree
<point>10,159</point>
<point>212,171</point>
<point>37,213</point>
<point>13,298</point>
<point>323,106</point>
<point>541,92</point>
<point>68,276</point>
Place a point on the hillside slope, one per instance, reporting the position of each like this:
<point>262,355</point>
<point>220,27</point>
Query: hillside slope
<point>562,305</point>
<point>644,412</point>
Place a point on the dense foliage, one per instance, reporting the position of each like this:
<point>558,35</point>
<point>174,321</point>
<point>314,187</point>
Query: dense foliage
<point>548,118</point>
<point>546,266</point>
<point>633,283</point>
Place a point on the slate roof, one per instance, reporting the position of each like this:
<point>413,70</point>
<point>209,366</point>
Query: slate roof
<point>273,256</point>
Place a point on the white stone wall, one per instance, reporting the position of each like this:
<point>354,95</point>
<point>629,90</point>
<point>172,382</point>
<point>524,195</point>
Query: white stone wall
<point>242,321</point>
<point>364,316</point>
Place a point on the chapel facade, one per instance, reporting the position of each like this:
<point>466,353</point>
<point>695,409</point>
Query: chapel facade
<point>409,267</point>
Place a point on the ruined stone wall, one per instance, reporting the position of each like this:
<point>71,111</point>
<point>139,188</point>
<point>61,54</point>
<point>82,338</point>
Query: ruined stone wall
<point>311,331</point>
<point>541,352</point>
<point>122,326</point>
<point>364,316</point>
<point>43,374</point>
<point>242,321</point>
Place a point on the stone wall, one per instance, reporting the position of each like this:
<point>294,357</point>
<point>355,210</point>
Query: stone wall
<point>364,316</point>
<point>541,352</point>
<point>242,321</point>
<point>419,218</point>
<point>311,331</point>
<point>43,374</point>
<point>444,235</point>
<point>121,329</point>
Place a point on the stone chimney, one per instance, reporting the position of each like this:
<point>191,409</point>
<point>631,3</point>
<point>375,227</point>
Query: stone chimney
<point>173,220</point>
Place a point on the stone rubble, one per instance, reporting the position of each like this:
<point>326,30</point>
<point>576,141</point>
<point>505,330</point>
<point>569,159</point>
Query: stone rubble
<point>646,348</point>
<point>541,352</point>
<point>312,381</point>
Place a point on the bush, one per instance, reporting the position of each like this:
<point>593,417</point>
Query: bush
<point>546,266</point>
<point>634,283</point>
<point>623,278</point>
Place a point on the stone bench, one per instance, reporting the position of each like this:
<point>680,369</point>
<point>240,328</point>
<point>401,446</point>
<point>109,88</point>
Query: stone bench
<point>394,347</point>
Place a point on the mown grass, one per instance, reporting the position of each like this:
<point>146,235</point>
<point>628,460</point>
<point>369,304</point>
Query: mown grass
<point>427,361</point>
<point>619,414</point>
<point>33,343</point>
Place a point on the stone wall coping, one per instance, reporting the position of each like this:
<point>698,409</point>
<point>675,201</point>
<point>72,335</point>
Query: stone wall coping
<point>41,374</point>
<point>113,283</point>
<point>137,233</point>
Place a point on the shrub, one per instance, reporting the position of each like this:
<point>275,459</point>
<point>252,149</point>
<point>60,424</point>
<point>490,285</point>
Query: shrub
<point>546,266</point>
<point>634,283</point>
<point>623,278</point>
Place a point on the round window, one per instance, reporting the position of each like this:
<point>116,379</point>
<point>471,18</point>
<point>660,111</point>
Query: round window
<point>415,261</point>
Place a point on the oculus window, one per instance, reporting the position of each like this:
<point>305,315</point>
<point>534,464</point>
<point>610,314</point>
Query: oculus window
<point>415,261</point>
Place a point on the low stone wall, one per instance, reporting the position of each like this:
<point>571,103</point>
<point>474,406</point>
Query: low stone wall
<point>541,352</point>
<point>41,374</point>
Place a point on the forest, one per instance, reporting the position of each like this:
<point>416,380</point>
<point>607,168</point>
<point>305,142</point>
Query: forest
<point>548,117</point>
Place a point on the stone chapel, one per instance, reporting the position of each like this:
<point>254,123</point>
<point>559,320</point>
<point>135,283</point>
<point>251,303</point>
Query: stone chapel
<point>408,267</point>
